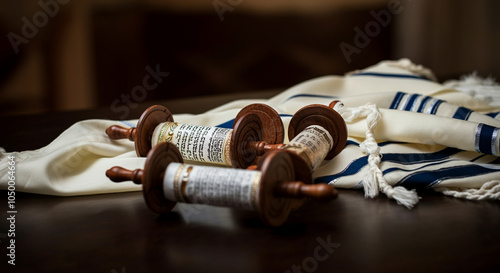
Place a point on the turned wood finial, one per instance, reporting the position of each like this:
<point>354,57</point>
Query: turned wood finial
<point>118,132</point>
<point>283,183</point>
<point>263,147</point>
<point>254,123</point>
<point>141,135</point>
<point>298,189</point>
<point>119,174</point>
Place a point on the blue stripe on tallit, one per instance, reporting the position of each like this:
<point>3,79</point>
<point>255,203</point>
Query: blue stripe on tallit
<point>389,75</point>
<point>397,100</point>
<point>477,158</point>
<point>393,169</point>
<point>410,101</point>
<point>496,161</point>
<point>404,159</point>
<point>493,114</point>
<point>435,106</point>
<point>462,113</point>
<point>351,169</point>
<point>350,142</point>
<point>312,96</point>
<point>228,124</point>
<point>380,144</point>
<point>129,123</point>
<point>425,179</point>
<point>418,158</point>
<point>423,103</point>
<point>484,139</point>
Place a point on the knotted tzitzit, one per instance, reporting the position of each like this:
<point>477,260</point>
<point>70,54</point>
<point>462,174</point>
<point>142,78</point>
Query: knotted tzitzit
<point>374,180</point>
<point>489,190</point>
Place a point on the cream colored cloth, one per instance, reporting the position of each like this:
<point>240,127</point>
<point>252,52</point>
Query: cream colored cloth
<point>424,134</point>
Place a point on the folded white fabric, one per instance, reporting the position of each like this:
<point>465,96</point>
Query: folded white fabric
<point>406,132</point>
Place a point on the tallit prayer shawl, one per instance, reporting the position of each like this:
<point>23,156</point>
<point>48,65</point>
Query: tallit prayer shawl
<point>406,132</point>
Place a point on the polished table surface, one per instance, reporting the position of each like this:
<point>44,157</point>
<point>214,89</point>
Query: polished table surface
<point>117,232</point>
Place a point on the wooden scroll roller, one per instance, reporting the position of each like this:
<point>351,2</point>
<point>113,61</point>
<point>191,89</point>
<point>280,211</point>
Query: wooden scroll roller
<point>255,123</point>
<point>273,188</point>
<point>316,133</point>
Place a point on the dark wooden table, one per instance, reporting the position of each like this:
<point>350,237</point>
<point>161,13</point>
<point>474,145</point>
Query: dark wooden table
<point>117,232</point>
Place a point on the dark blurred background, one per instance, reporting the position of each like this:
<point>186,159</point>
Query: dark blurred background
<point>78,54</point>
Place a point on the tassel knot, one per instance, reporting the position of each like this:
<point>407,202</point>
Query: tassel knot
<point>374,180</point>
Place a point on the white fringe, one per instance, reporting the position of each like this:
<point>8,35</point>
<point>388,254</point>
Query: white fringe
<point>485,89</point>
<point>488,191</point>
<point>374,180</point>
<point>408,65</point>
